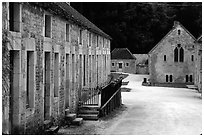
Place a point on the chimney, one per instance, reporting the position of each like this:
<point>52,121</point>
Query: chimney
<point>176,23</point>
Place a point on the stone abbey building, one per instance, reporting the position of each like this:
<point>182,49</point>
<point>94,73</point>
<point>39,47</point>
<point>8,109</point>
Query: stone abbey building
<point>53,54</point>
<point>172,60</point>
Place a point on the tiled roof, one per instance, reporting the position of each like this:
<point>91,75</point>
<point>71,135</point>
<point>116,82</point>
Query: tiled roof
<point>200,39</point>
<point>66,11</point>
<point>122,53</point>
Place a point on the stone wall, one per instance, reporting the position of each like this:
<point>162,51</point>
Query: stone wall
<point>159,68</point>
<point>131,68</point>
<point>31,39</point>
<point>198,65</point>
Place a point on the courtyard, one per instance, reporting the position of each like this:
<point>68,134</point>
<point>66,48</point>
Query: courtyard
<point>148,110</point>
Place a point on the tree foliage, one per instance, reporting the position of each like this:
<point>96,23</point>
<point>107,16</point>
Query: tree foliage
<point>140,25</point>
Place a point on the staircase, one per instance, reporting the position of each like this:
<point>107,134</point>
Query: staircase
<point>89,112</point>
<point>70,118</point>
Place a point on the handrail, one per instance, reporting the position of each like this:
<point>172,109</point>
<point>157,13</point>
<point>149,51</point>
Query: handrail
<point>110,99</point>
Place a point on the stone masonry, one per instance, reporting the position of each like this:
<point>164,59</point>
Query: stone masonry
<point>48,73</point>
<point>163,67</point>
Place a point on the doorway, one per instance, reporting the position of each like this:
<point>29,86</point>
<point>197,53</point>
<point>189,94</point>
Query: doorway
<point>47,86</point>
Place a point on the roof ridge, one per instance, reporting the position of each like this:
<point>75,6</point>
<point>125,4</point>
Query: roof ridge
<point>176,23</point>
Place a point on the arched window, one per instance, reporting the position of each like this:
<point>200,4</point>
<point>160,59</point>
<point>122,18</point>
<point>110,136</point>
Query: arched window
<point>181,55</point>
<point>176,54</point>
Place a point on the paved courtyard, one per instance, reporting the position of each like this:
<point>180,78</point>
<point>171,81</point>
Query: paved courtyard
<point>150,111</point>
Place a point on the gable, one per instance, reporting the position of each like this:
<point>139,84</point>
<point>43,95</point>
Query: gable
<point>170,35</point>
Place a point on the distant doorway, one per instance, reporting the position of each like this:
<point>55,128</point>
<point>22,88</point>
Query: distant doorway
<point>120,66</point>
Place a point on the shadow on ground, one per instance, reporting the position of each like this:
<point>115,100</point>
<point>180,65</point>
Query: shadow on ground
<point>125,89</point>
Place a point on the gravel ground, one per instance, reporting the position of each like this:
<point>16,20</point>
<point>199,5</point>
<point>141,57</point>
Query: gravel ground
<point>93,127</point>
<point>148,111</point>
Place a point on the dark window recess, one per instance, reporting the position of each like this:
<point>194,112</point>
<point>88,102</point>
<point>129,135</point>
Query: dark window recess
<point>171,78</point>
<point>186,78</point>
<point>67,32</point>
<point>176,54</point>
<point>113,64</point>
<point>192,58</point>
<point>179,32</point>
<point>89,39</point>
<point>164,57</point>
<point>191,78</point>
<point>127,64</point>
<point>47,26</point>
<point>14,16</point>
<point>181,55</point>
<point>80,37</point>
<point>84,73</point>
<point>167,78</point>
<point>97,41</point>
<point>120,65</point>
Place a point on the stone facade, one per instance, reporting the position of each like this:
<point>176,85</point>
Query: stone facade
<point>172,60</point>
<point>122,60</point>
<point>198,64</point>
<point>49,70</point>
<point>141,63</point>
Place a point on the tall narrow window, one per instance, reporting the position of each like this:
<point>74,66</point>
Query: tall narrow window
<point>90,39</point>
<point>90,68</point>
<point>14,16</point>
<point>167,78</point>
<point>56,75</point>
<point>103,42</point>
<point>47,26</point>
<point>97,41</point>
<point>164,57</point>
<point>179,32</point>
<point>113,64</point>
<point>73,70</point>
<point>186,78</point>
<point>176,54</point>
<point>84,74</point>
<point>47,86</point>
<point>181,55</point>
<point>14,86</point>
<point>192,58</point>
<point>191,78</point>
<point>67,82</point>
<point>80,36</point>
<point>67,32</point>
<point>171,78</point>
<point>30,79</point>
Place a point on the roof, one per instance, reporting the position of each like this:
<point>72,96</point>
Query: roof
<point>199,39</point>
<point>141,58</point>
<point>64,10</point>
<point>122,53</point>
<point>176,23</point>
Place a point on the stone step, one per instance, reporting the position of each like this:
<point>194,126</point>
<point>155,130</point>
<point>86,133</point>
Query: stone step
<point>47,124</point>
<point>77,121</point>
<point>89,116</point>
<point>52,130</point>
<point>89,107</point>
<point>66,111</point>
<point>81,111</point>
<point>71,116</point>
